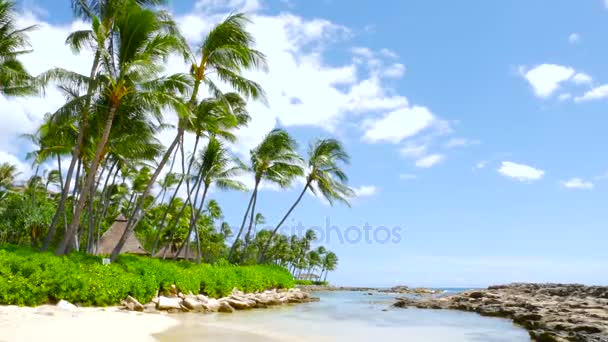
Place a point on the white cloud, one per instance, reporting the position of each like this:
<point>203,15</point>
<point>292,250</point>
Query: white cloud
<point>366,190</point>
<point>574,38</point>
<point>546,78</point>
<point>460,142</point>
<point>520,172</point>
<point>394,71</point>
<point>606,3</point>
<point>213,6</point>
<point>429,161</point>
<point>398,125</point>
<point>413,150</point>
<point>577,183</point>
<point>407,176</point>
<point>581,78</point>
<point>594,94</point>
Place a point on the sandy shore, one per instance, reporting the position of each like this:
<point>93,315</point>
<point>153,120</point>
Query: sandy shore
<point>50,323</point>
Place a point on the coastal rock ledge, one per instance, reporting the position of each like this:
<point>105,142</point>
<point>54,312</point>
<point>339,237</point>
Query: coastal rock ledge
<point>550,312</point>
<point>178,302</point>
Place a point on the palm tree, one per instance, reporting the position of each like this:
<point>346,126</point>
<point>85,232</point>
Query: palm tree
<point>14,79</point>
<point>131,84</point>
<point>274,160</point>
<point>217,168</point>
<point>325,175</point>
<point>329,263</point>
<point>259,219</point>
<point>8,173</point>
<point>226,52</point>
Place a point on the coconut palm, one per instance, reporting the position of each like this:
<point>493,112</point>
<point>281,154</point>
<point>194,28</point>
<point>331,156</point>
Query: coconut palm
<point>8,173</point>
<point>325,176</point>
<point>274,160</point>
<point>217,168</point>
<point>329,263</point>
<point>14,79</point>
<point>134,86</point>
<point>225,52</point>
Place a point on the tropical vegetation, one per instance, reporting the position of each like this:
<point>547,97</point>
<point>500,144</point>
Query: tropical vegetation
<point>99,156</point>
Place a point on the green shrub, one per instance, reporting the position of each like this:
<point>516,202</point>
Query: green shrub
<point>28,277</point>
<point>310,282</point>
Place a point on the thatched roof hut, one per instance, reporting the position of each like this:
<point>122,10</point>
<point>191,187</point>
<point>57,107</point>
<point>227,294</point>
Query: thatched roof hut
<point>168,253</point>
<point>110,239</point>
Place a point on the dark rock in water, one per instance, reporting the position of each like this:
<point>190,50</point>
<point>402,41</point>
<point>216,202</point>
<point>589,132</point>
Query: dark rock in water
<point>550,312</point>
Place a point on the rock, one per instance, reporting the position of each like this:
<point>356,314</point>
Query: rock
<point>193,304</point>
<point>202,298</point>
<point>225,307</point>
<point>212,305</point>
<point>240,303</point>
<point>168,303</point>
<point>65,305</point>
<point>550,312</point>
<point>150,307</point>
<point>133,304</point>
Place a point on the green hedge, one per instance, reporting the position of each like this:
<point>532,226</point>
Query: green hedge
<point>310,282</point>
<point>31,278</point>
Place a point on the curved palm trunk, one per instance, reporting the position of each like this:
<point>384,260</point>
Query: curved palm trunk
<point>136,215</point>
<point>262,256</point>
<point>166,213</point>
<point>105,197</point>
<point>73,227</point>
<point>134,219</point>
<point>238,236</point>
<point>186,242</point>
<point>248,235</point>
<point>192,227</point>
<point>82,128</point>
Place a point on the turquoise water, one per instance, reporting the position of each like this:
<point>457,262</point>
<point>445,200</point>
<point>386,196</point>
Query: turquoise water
<point>346,316</point>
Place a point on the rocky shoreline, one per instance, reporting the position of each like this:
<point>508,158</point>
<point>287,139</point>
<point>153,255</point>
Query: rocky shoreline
<point>175,301</point>
<point>550,312</point>
<point>401,289</point>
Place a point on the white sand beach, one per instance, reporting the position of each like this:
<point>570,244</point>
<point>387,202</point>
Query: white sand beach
<point>51,323</point>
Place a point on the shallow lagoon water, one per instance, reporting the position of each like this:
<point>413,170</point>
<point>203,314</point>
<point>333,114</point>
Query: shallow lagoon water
<point>345,316</point>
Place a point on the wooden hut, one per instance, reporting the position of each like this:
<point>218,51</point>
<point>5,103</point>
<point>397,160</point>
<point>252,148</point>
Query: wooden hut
<point>110,239</point>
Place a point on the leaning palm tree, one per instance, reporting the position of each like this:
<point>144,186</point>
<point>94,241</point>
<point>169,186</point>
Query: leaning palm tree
<point>274,160</point>
<point>329,263</point>
<point>131,84</point>
<point>226,52</point>
<point>14,79</point>
<point>217,168</point>
<point>325,175</point>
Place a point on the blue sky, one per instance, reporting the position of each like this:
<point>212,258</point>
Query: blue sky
<point>476,128</point>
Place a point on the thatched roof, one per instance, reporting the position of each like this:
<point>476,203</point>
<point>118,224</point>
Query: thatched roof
<point>168,253</point>
<point>111,237</point>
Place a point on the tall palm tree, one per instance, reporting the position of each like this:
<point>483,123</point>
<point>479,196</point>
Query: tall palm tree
<point>101,39</point>
<point>329,263</point>
<point>217,168</point>
<point>274,160</point>
<point>325,176</point>
<point>259,219</point>
<point>14,79</point>
<point>131,85</point>
<point>225,52</point>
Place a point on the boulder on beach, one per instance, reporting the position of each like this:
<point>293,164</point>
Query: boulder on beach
<point>167,303</point>
<point>65,305</point>
<point>225,307</point>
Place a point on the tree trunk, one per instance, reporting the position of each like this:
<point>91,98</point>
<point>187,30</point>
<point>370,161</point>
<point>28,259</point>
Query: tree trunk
<point>197,185</point>
<point>73,227</point>
<point>248,235</point>
<point>238,236</point>
<point>262,256</point>
<point>105,199</point>
<point>166,213</point>
<point>82,128</point>
<point>135,216</point>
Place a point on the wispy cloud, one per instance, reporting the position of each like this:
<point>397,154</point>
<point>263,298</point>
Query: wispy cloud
<point>520,172</point>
